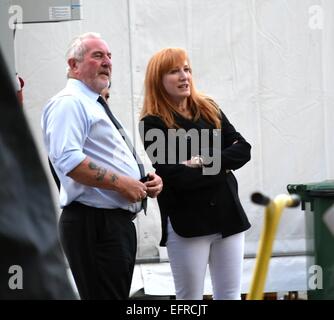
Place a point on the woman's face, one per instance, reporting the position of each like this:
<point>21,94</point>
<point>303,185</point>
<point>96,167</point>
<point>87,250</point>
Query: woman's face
<point>177,82</point>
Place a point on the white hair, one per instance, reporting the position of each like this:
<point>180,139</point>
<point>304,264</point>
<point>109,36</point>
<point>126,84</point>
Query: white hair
<point>77,47</point>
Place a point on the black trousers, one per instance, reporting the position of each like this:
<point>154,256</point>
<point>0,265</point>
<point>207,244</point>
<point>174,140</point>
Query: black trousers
<point>100,246</point>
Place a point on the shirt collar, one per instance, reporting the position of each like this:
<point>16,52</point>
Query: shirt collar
<point>76,84</point>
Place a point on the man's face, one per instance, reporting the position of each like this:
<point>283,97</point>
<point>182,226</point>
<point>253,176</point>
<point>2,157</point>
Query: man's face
<point>95,68</point>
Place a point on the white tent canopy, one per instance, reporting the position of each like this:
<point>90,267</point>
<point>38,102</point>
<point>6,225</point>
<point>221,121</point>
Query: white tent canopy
<point>268,64</point>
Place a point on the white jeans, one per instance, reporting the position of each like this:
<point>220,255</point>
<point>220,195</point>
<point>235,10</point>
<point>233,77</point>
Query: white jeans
<point>189,258</point>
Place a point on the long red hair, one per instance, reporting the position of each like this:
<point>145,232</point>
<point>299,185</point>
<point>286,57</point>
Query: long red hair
<point>156,99</point>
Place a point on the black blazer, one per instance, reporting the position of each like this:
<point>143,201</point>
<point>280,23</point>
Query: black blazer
<point>198,204</point>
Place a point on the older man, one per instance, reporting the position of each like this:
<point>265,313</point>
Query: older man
<point>102,183</point>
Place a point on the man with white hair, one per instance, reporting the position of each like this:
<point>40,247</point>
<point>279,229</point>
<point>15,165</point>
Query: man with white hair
<point>103,186</point>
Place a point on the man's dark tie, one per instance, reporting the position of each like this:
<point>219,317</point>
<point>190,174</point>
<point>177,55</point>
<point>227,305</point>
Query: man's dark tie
<point>127,140</point>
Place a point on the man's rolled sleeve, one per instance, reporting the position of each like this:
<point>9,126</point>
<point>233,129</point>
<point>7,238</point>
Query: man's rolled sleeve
<point>66,125</point>
<point>69,161</point>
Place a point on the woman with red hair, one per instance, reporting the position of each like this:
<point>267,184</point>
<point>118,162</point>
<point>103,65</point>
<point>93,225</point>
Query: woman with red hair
<point>194,148</point>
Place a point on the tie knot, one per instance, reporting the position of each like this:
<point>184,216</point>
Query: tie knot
<point>101,100</point>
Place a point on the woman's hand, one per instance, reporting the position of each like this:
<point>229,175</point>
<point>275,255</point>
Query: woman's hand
<point>194,162</point>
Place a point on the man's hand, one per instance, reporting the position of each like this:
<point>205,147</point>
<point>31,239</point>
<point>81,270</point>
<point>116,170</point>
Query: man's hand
<point>154,185</point>
<point>131,189</point>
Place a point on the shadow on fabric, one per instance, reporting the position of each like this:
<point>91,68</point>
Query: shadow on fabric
<point>32,265</point>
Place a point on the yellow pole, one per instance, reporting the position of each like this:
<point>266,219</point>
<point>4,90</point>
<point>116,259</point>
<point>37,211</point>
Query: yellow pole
<point>273,214</point>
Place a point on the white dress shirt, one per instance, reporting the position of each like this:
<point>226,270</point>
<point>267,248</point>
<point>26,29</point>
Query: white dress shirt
<point>75,126</point>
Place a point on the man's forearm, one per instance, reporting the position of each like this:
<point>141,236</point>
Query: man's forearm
<point>91,174</point>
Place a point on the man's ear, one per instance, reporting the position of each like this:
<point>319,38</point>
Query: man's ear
<point>73,64</point>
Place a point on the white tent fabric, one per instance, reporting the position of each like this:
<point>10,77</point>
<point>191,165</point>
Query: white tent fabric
<point>269,65</point>
<point>156,279</point>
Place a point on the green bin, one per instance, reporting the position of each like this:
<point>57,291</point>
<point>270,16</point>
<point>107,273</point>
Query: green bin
<point>316,199</point>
